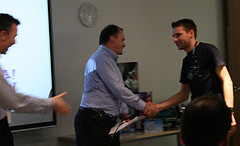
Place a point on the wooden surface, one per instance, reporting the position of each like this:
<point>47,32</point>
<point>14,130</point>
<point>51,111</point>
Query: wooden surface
<point>141,135</point>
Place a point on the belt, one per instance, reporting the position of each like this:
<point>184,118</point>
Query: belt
<point>94,112</point>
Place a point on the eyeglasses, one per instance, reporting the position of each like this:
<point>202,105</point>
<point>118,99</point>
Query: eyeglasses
<point>193,70</point>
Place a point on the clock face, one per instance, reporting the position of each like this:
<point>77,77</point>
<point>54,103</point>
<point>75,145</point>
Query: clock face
<point>88,14</point>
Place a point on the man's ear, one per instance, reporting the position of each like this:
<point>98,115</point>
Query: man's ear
<point>192,33</point>
<point>3,35</point>
<point>112,39</point>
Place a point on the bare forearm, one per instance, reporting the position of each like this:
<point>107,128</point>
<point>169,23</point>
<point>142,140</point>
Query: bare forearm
<point>224,76</point>
<point>228,93</point>
<point>172,101</point>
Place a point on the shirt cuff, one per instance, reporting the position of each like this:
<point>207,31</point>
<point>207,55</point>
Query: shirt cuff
<point>141,105</point>
<point>50,104</point>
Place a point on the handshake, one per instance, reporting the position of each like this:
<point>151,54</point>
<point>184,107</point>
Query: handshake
<point>150,110</point>
<point>60,106</point>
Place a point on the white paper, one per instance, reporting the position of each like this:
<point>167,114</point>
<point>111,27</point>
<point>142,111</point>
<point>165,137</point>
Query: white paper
<point>9,118</point>
<point>120,126</point>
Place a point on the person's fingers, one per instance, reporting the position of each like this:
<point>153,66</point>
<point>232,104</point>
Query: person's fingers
<point>60,105</point>
<point>63,108</point>
<point>232,130</point>
<point>60,95</point>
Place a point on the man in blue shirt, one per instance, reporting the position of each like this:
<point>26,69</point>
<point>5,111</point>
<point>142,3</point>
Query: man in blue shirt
<point>105,96</point>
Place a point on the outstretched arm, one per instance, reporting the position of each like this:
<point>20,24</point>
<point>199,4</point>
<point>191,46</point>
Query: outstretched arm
<point>181,96</point>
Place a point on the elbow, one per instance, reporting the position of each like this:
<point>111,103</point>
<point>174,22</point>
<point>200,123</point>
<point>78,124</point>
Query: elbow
<point>183,96</point>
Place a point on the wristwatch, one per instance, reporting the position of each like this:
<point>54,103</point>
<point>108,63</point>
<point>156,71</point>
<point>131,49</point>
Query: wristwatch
<point>232,109</point>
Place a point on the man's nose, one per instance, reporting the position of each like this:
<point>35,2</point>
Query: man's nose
<point>175,39</point>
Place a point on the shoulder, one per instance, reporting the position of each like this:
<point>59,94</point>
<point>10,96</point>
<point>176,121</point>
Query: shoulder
<point>101,58</point>
<point>98,55</point>
<point>208,48</point>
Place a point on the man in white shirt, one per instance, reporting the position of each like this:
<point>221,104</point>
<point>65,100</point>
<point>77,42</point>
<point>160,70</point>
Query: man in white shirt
<point>9,99</point>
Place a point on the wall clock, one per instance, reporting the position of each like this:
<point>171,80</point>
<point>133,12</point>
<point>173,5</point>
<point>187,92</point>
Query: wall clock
<point>88,14</point>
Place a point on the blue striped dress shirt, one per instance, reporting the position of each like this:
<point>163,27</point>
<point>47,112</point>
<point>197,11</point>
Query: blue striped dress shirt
<point>104,87</point>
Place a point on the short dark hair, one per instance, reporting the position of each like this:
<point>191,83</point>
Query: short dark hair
<point>6,22</point>
<point>188,24</point>
<point>205,121</point>
<point>110,30</point>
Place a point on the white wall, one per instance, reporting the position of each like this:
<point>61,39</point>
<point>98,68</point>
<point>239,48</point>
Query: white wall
<point>148,32</point>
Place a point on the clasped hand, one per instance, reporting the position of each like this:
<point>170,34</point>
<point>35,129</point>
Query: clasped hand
<point>150,110</point>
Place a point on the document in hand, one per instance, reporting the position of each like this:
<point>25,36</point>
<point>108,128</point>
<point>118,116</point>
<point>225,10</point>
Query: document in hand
<point>120,126</point>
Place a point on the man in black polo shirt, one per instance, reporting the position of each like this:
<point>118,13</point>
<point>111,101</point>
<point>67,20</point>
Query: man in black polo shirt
<point>203,70</point>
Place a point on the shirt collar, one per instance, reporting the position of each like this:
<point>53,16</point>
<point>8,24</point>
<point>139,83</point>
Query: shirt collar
<point>110,52</point>
<point>191,52</point>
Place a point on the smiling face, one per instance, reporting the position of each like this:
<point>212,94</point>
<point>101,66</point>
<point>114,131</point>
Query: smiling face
<point>7,39</point>
<point>116,43</point>
<point>182,38</point>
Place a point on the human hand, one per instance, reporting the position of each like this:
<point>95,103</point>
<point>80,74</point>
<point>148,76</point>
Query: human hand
<point>233,126</point>
<point>60,105</point>
<point>150,110</point>
<point>125,116</point>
